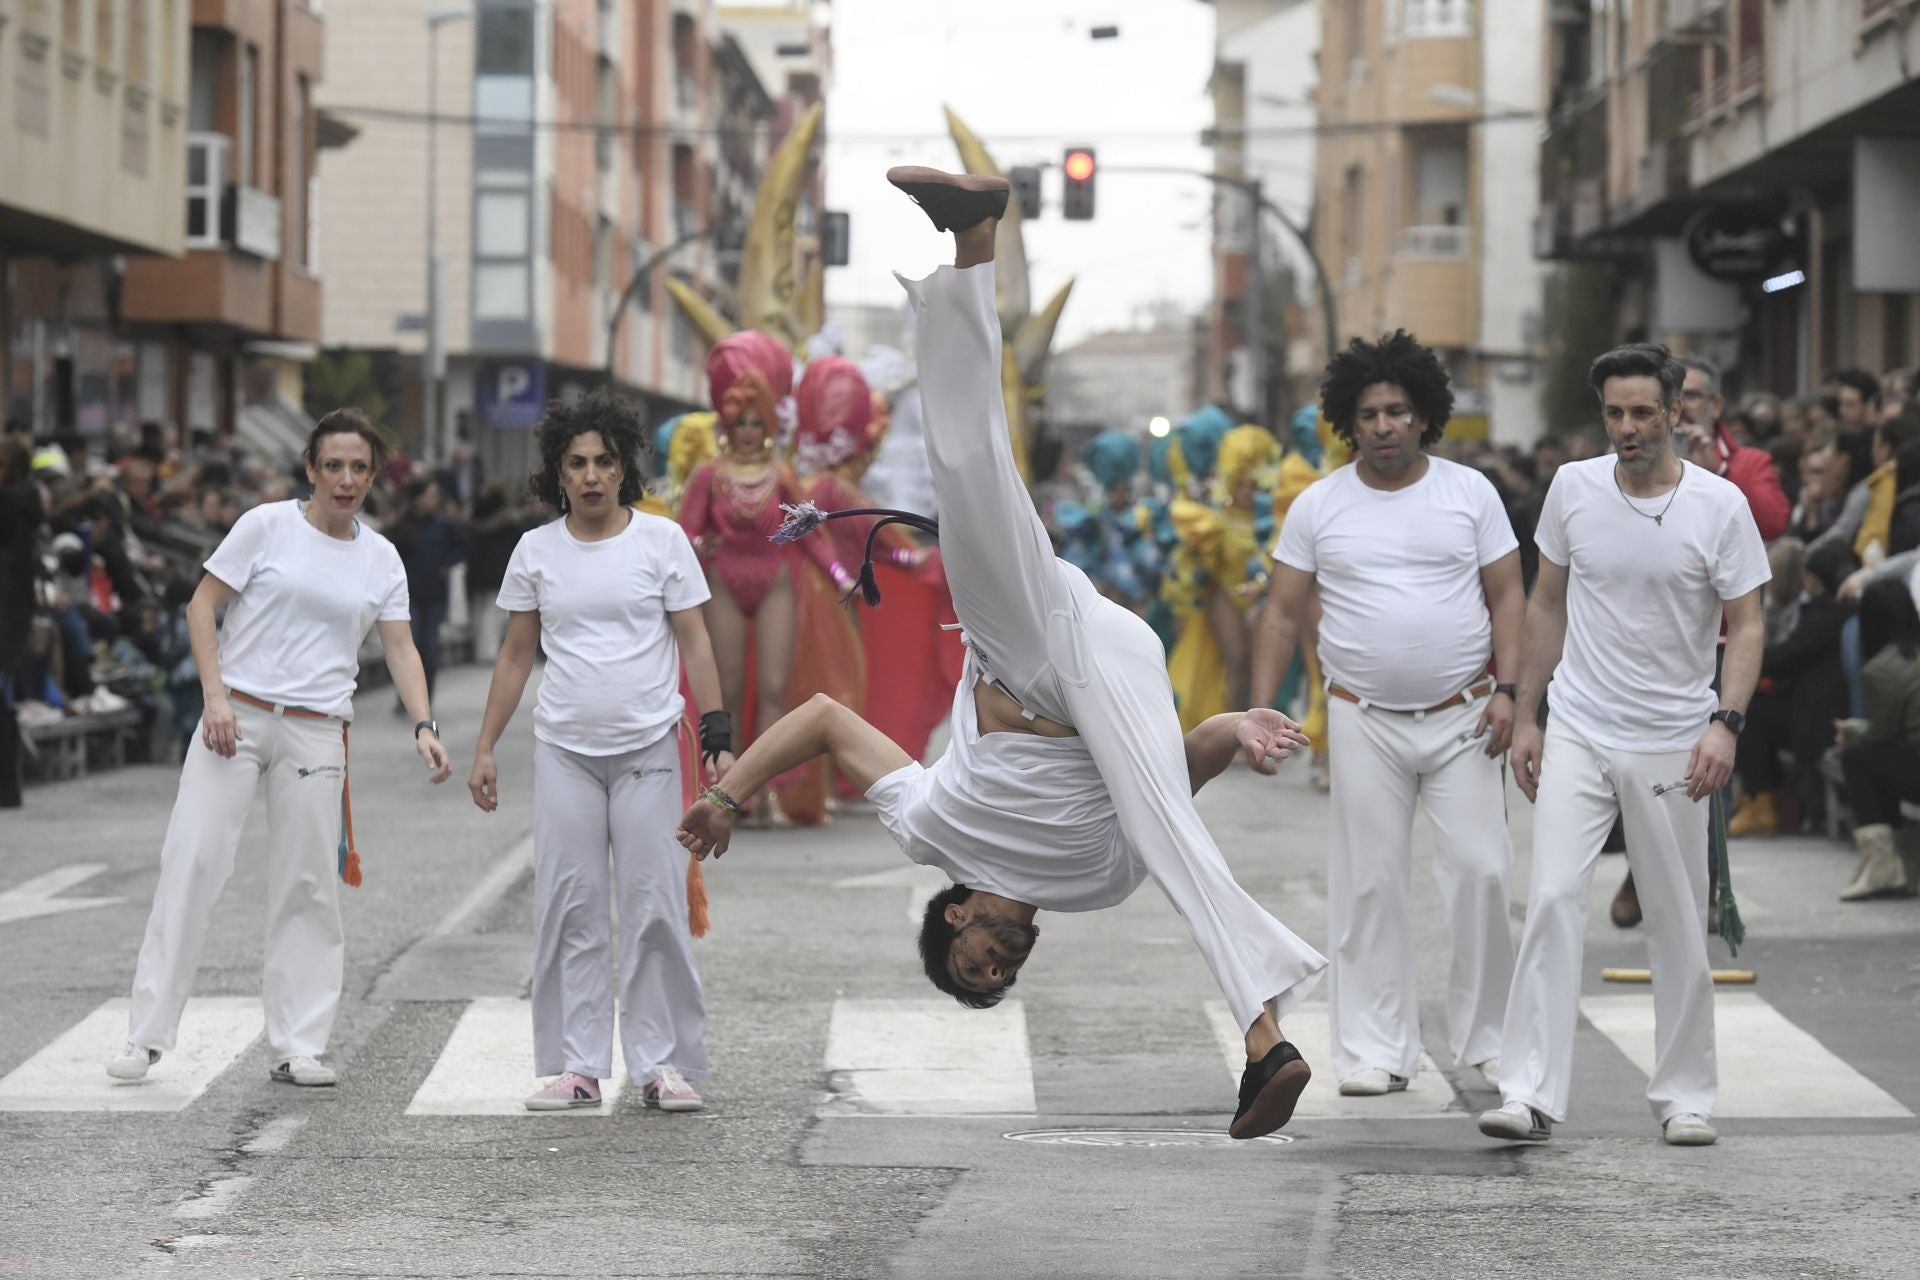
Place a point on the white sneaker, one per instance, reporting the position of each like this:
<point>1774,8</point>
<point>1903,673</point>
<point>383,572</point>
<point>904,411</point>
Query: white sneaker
<point>670,1091</point>
<point>1372,1084</point>
<point>1490,1072</point>
<point>1689,1131</point>
<point>131,1062</point>
<point>306,1072</point>
<point>1516,1122</point>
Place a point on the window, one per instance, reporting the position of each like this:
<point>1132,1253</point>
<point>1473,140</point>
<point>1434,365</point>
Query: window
<point>103,16</point>
<point>206,176</point>
<point>1431,19</point>
<point>72,24</point>
<point>643,296</point>
<point>503,79</point>
<point>243,131</point>
<point>500,291</point>
<point>170,29</point>
<point>603,254</point>
<point>606,112</point>
<point>1440,182</point>
<point>203,82</point>
<point>139,56</point>
<point>501,224</point>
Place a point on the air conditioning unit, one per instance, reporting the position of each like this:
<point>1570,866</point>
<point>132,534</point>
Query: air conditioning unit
<point>1697,17</point>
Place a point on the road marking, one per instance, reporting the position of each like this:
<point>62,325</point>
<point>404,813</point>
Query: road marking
<point>35,897</point>
<point>1427,1096</point>
<point>70,1074</point>
<point>928,1057</point>
<point>921,882</point>
<point>1769,1067</point>
<point>500,877</point>
<point>224,1192</point>
<point>486,1067</point>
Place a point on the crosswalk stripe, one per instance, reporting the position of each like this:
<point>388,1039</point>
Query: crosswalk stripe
<point>928,1057</point>
<point>486,1067</point>
<point>1426,1096</point>
<point>1769,1067</point>
<point>70,1074</point>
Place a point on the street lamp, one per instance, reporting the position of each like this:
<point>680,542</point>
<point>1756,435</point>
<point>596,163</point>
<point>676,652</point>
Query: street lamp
<point>434,361</point>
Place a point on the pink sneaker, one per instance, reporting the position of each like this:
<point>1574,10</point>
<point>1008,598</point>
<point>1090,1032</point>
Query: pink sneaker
<point>670,1091</point>
<point>569,1091</point>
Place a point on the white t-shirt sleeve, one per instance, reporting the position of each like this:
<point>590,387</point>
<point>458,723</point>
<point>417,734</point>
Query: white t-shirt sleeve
<point>686,582</point>
<point>1741,562</point>
<point>396,606</point>
<point>891,797</point>
<point>241,552</point>
<point>518,593</point>
<point>1491,528</point>
<point>1298,530</point>
<point>1550,535</point>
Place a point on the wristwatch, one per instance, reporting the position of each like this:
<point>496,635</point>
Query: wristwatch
<point>1506,688</point>
<point>433,726</point>
<point>1734,721</point>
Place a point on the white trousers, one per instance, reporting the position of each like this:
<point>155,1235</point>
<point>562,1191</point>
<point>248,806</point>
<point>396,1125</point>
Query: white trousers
<point>1582,787</point>
<point>582,806</point>
<point>1042,631</point>
<point>1385,762</point>
<point>304,762</point>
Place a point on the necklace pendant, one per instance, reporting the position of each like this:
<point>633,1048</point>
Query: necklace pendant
<point>1661,518</point>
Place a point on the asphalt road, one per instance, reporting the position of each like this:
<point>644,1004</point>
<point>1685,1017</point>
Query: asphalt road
<point>860,1127</point>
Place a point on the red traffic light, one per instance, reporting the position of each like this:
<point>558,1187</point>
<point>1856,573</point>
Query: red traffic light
<point>1079,165</point>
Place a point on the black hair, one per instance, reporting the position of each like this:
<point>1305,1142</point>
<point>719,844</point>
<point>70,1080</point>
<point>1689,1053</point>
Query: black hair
<point>1856,446</point>
<point>1832,563</point>
<point>1887,618</point>
<point>1896,432</point>
<point>1639,360</point>
<point>1906,465</point>
<point>348,422</point>
<point>936,939</point>
<point>1860,380</point>
<point>1397,358</point>
<point>617,424</point>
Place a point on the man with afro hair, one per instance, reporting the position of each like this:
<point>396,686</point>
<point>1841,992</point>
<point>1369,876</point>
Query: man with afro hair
<point>1418,574</point>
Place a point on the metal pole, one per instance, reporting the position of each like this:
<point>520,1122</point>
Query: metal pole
<point>639,278</point>
<point>1256,306</point>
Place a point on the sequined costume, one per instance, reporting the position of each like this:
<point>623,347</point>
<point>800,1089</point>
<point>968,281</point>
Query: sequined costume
<point>731,516</point>
<point>1108,541</point>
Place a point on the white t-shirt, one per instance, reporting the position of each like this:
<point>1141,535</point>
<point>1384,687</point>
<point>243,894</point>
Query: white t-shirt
<point>1016,814</point>
<point>1404,614</point>
<point>613,669</point>
<point>304,603</point>
<point>1644,601</point>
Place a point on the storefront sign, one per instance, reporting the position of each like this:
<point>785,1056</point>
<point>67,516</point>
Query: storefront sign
<point>1738,242</point>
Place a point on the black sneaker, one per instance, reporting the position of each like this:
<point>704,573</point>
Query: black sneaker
<point>1269,1091</point>
<point>955,201</point>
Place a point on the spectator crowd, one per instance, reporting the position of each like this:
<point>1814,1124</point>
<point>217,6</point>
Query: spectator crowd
<point>101,546</point>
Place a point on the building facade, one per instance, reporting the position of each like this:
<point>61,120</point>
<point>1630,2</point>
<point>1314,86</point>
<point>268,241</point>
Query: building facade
<point>1747,175</point>
<point>93,163</point>
<point>1426,173</point>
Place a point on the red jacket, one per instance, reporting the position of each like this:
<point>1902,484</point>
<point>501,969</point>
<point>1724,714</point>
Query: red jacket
<point>1752,471</point>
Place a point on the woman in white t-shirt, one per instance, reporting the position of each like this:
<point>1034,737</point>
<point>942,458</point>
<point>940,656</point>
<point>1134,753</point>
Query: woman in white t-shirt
<point>301,582</point>
<point>613,596</point>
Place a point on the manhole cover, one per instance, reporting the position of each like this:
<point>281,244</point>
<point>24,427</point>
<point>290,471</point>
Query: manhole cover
<point>1136,1138</point>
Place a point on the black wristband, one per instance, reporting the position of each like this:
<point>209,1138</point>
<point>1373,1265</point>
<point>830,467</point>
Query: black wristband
<point>1506,689</point>
<point>716,734</point>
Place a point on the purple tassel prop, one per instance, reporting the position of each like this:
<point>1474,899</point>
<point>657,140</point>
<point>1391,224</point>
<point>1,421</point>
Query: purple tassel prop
<point>804,517</point>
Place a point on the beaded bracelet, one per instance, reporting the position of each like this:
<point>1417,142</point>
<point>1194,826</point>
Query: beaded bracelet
<point>722,800</point>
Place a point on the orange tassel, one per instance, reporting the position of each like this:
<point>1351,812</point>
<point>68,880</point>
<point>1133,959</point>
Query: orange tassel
<point>697,920</point>
<point>352,873</point>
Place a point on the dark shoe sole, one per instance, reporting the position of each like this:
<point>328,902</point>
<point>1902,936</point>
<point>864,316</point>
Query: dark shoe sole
<point>1274,1106</point>
<point>954,201</point>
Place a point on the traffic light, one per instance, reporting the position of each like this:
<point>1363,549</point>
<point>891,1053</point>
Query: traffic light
<point>1026,189</point>
<point>836,239</point>
<point>1076,202</point>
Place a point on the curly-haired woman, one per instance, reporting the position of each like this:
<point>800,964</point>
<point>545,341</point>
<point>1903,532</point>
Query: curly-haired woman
<point>613,596</point>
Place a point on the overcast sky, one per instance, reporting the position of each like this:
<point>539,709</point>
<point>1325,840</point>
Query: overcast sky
<point>1026,76</point>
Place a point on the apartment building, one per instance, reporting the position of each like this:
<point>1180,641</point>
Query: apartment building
<point>1426,173</point>
<point>573,142</point>
<point>234,319</point>
<point>1746,172</point>
<point>93,163</point>
<point>1262,88</point>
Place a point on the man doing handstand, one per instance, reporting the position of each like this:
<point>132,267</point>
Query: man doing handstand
<point>1068,781</point>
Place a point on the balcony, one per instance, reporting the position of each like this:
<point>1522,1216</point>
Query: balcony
<point>1663,176</point>
<point>1434,243</point>
<point>685,112</point>
<point>1587,211</point>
